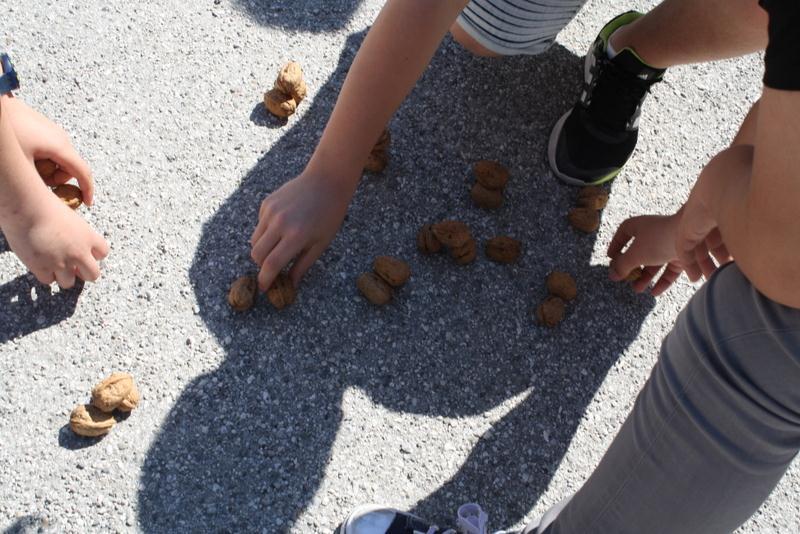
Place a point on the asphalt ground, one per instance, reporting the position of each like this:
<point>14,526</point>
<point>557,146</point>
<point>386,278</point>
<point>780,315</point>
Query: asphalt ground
<point>277,422</point>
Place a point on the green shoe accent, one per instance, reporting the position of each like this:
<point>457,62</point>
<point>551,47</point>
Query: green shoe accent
<point>607,178</point>
<point>616,23</point>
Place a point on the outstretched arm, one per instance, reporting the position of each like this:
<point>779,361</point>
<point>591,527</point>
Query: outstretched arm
<point>300,219</point>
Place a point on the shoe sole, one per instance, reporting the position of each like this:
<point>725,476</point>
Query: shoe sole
<point>551,156</point>
<point>345,527</point>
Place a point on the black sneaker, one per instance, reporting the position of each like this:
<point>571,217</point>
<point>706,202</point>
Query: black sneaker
<point>381,520</point>
<point>591,142</point>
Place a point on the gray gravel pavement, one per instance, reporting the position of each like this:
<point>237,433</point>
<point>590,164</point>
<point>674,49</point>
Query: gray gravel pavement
<point>282,422</point>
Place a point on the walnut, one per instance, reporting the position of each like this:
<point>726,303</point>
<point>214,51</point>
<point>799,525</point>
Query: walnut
<point>131,401</point>
<point>562,285</point>
<point>451,234</point>
<point>550,312</point>
<point>503,249</point>
<point>490,174</point>
<point>374,289</point>
<point>243,292</point>
<point>46,168</point>
<point>290,81</point>
<point>465,253</point>
<point>378,158</point>
<point>634,275</point>
<point>489,199</point>
<point>113,391</point>
<point>593,197</point>
<point>427,243</point>
<point>393,271</point>
<point>287,93</point>
<point>282,292</point>
<point>584,219</point>
<point>279,103</point>
<point>87,420</point>
<point>70,195</point>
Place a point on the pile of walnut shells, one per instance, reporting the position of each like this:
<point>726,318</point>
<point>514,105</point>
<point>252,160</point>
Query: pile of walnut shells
<point>117,392</point>
<point>288,91</point>
<point>388,273</point>
<point>562,289</point>
<point>243,293</point>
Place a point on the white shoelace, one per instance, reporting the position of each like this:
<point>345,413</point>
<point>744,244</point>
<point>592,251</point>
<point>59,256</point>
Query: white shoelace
<point>471,520</point>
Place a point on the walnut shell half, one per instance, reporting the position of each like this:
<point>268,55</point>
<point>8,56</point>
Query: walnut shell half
<point>490,174</point>
<point>551,311</point>
<point>634,274</point>
<point>131,401</point>
<point>452,233</point>
<point>290,81</point>
<point>282,292</point>
<point>562,285</point>
<point>503,249</point>
<point>46,168</point>
<point>71,195</point>
<point>374,289</point>
<point>488,199</point>
<point>376,161</point>
<point>87,420</point>
<point>465,253</point>
<point>593,197</point>
<point>584,219</point>
<point>243,292</point>
<point>393,271</point>
<point>279,103</point>
<point>111,392</point>
<point>427,242</point>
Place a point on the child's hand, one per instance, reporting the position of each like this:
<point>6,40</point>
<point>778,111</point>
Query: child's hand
<point>653,247</point>
<point>41,139</point>
<point>297,221</point>
<point>54,242</point>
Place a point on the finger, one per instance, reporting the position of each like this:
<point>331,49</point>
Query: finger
<point>648,273</point>
<point>58,178</point>
<point>261,226</point>
<point>717,247</point>
<point>621,238</point>
<point>670,275</point>
<point>264,246</point>
<point>100,249</point>
<point>278,258</point>
<point>704,261</point>
<point>44,277</point>
<point>303,263</point>
<point>65,278</point>
<point>622,265</point>
<point>88,270</point>
<point>71,163</point>
<point>687,259</point>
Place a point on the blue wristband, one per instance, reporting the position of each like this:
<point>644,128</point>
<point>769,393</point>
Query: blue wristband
<point>9,80</point>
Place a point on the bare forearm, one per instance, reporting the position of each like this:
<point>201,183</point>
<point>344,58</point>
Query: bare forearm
<point>393,56</point>
<point>754,193</point>
<point>16,190</point>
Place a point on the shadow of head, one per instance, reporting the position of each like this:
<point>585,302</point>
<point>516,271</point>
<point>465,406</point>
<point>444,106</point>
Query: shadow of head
<point>246,445</point>
<point>28,524</point>
<point>304,15</point>
<point>27,306</point>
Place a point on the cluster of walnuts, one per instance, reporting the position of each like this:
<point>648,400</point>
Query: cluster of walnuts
<point>585,216</point>
<point>388,273</point>
<point>244,292</point>
<point>454,235</point>
<point>287,92</point>
<point>70,194</point>
<point>562,289</point>
<point>117,392</point>
<point>490,181</point>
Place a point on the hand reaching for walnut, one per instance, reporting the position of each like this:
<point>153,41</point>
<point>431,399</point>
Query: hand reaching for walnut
<point>297,222</point>
<point>53,241</point>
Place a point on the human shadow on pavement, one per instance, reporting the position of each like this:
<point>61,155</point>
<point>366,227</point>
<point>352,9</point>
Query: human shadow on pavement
<point>27,306</point>
<point>246,445</point>
<point>303,15</point>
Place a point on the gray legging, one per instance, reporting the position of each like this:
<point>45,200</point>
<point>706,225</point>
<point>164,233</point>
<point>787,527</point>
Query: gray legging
<point>714,429</point>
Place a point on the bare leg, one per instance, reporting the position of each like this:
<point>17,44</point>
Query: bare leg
<point>690,31</point>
